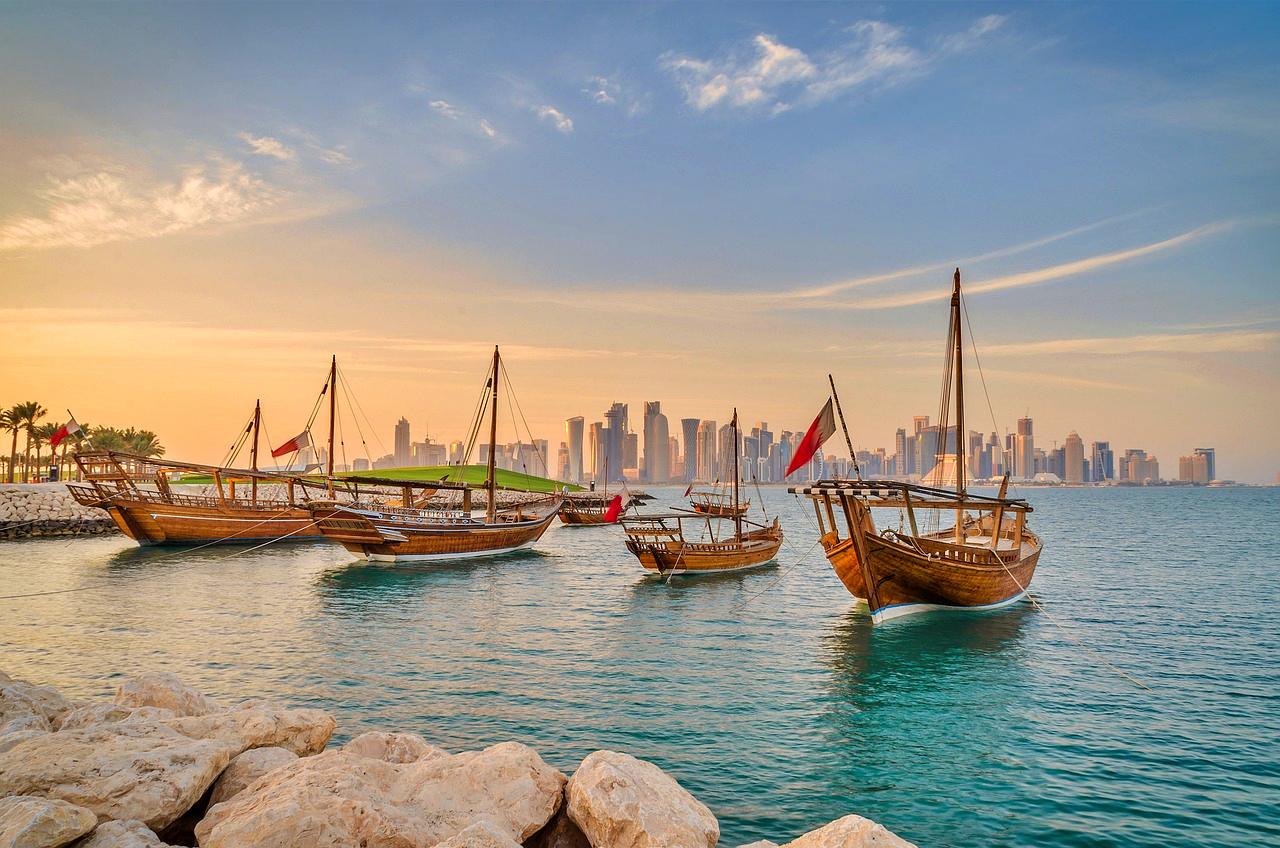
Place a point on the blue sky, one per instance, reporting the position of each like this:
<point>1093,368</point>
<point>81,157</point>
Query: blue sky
<point>768,188</point>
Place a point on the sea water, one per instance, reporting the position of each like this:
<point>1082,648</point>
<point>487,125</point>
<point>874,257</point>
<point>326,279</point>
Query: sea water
<point>1138,705</point>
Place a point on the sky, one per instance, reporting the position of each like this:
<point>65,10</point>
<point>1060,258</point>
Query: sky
<point>707,205</point>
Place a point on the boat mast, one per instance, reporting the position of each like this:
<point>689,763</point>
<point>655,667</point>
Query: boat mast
<point>490,482</point>
<point>961,436</point>
<point>333,401</point>
<point>737,516</point>
<point>253,453</point>
<point>857,472</point>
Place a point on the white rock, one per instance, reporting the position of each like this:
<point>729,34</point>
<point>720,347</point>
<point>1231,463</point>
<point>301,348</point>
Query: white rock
<point>760,843</point>
<point>622,802</point>
<point>19,698</point>
<point>246,768</point>
<point>302,731</point>
<point>480,835</point>
<point>109,713</point>
<point>131,770</point>
<point>122,834</point>
<point>850,832</point>
<point>27,822</point>
<point>392,747</point>
<point>9,740</point>
<point>338,798</point>
<point>162,689</point>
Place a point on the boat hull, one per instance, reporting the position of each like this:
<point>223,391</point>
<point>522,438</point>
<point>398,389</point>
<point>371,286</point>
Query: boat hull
<point>582,517</point>
<point>907,581</point>
<point>389,538</point>
<point>155,522</point>
<point>719,511</point>
<point>691,558</point>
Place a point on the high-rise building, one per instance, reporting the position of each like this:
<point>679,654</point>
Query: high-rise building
<point>1024,450</point>
<point>900,453</point>
<point>657,445</point>
<point>1137,467</point>
<point>689,432</point>
<point>926,449</point>
<point>1210,460</point>
<point>428,453</point>
<point>1073,458</point>
<point>562,464</point>
<point>573,447</point>
<point>675,463</point>
<point>615,438</point>
<point>598,446</point>
<point>1102,464</point>
<point>707,469</point>
<point>403,454</point>
<point>918,423</point>
<point>728,451</point>
<point>1194,469</point>
<point>456,452</point>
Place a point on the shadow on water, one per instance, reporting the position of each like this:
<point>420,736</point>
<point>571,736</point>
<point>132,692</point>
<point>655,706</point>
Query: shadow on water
<point>140,557</point>
<point>358,584</point>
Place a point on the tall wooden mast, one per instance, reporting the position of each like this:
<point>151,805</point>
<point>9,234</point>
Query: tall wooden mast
<point>962,438</point>
<point>253,452</point>
<point>853,457</point>
<point>490,482</point>
<point>333,409</point>
<point>737,516</point>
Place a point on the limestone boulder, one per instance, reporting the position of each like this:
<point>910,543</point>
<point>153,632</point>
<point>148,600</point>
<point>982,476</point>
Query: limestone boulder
<point>620,801</point>
<point>393,747</point>
<point>109,713</point>
<point>246,768</point>
<point>339,798</point>
<point>760,843</point>
<point>29,822</point>
<point>122,834</point>
<point>480,835</point>
<point>163,689</point>
<point>560,832</point>
<point>850,832</point>
<point>262,725</point>
<point>19,699</point>
<point>130,770</point>
<point>9,740</point>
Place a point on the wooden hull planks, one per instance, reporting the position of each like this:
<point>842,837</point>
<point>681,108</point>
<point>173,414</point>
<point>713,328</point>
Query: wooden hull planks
<point>153,523</point>
<point>677,556</point>
<point>402,537</point>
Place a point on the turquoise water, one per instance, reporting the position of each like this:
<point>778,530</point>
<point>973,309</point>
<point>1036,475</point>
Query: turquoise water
<point>764,692</point>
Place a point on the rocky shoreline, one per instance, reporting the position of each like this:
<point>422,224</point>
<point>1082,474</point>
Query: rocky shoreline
<point>163,764</point>
<point>33,510</point>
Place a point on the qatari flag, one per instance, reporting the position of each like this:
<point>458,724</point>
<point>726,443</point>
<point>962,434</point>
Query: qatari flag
<point>615,509</point>
<point>297,443</point>
<point>822,428</point>
<point>67,430</point>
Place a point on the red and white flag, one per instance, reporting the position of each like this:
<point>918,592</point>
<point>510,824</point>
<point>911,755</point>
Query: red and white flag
<point>67,430</point>
<point>615,509</point>
<point>688,490</point>
<point>297,443</point>
<point>822,428</point>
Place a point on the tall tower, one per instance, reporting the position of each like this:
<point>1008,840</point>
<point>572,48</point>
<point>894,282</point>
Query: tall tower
<point>573,443</point>
<point>403,451</point>
<point>707,451</point>
<point>1210,461</point>
<point>1024,451</point>
<point>689,430</point>
<point>1073,458</point>
<point>657,448</point>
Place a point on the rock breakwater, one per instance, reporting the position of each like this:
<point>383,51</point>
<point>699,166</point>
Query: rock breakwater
<point>163,764</point>
<point>47,509</point>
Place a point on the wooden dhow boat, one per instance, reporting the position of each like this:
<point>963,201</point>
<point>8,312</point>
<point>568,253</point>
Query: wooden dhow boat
<point>426,534</point>
<point>137,491</point>
<point>697,543</point>
<point>985,560</point>
<point>717,502</point>
<point>591,509</point>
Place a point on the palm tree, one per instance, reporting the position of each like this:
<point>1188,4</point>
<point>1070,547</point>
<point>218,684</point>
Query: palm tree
<point>11,420</point>
<point>144,443</point>
<point>29,413</point>
<point>43,433</point>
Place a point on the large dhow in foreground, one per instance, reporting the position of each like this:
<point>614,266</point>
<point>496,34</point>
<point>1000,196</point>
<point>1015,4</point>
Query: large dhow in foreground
<point>441,532</point>
<point>696,543</point>
<point>985,560</point>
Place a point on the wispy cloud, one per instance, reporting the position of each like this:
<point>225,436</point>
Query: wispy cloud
<point>444,107</point>
<point>610,92</point>
<point>774,77</point>
<point>107,206</point>
<point>333,155</point>
<point>488,129</point>
<point>555,117</point>
<point>1172,343</point>
<point>267,146</point>
<point>1034,277</point>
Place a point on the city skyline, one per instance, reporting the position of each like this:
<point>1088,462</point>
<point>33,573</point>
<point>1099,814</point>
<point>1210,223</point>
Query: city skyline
<point>715,205</point>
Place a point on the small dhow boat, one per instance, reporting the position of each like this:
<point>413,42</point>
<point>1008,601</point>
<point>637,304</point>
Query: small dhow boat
<point>985,560</point>
<point>423,533</point>
<point>584,510</point>
<point>666,543</point>
<point>718,502</point>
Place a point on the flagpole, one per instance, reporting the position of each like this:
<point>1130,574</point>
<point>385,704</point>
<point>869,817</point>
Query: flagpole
<point>853,457</point>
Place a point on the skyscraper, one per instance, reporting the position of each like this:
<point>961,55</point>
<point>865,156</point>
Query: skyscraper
<point>689,430</point>
<point>403,455</point>
<point>1103,462</point>
<point>573,445</point>
<point>1024,450</point>
<point>728,452</point>
<point>1073,458</point>
<point>657,447</point>
<point>598,445</point>
<point>706,451</point>
<point>900,453</point>
<point>1210,461</point>
<point>615,434</point>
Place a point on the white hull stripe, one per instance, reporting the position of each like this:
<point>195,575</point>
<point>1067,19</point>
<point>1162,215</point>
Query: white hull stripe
<point>694,572</point>
<point>899,610</point>
<point>443,557</point>
<point>156,515</point>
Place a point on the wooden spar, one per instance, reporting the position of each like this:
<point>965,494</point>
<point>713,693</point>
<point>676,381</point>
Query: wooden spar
<point>999,513</point>
<point>333,408</point>
<point>848,441</point>
<point>253,452</point>
<point>491,479</point>
<point>737,516</point>
<point>962,447</point>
